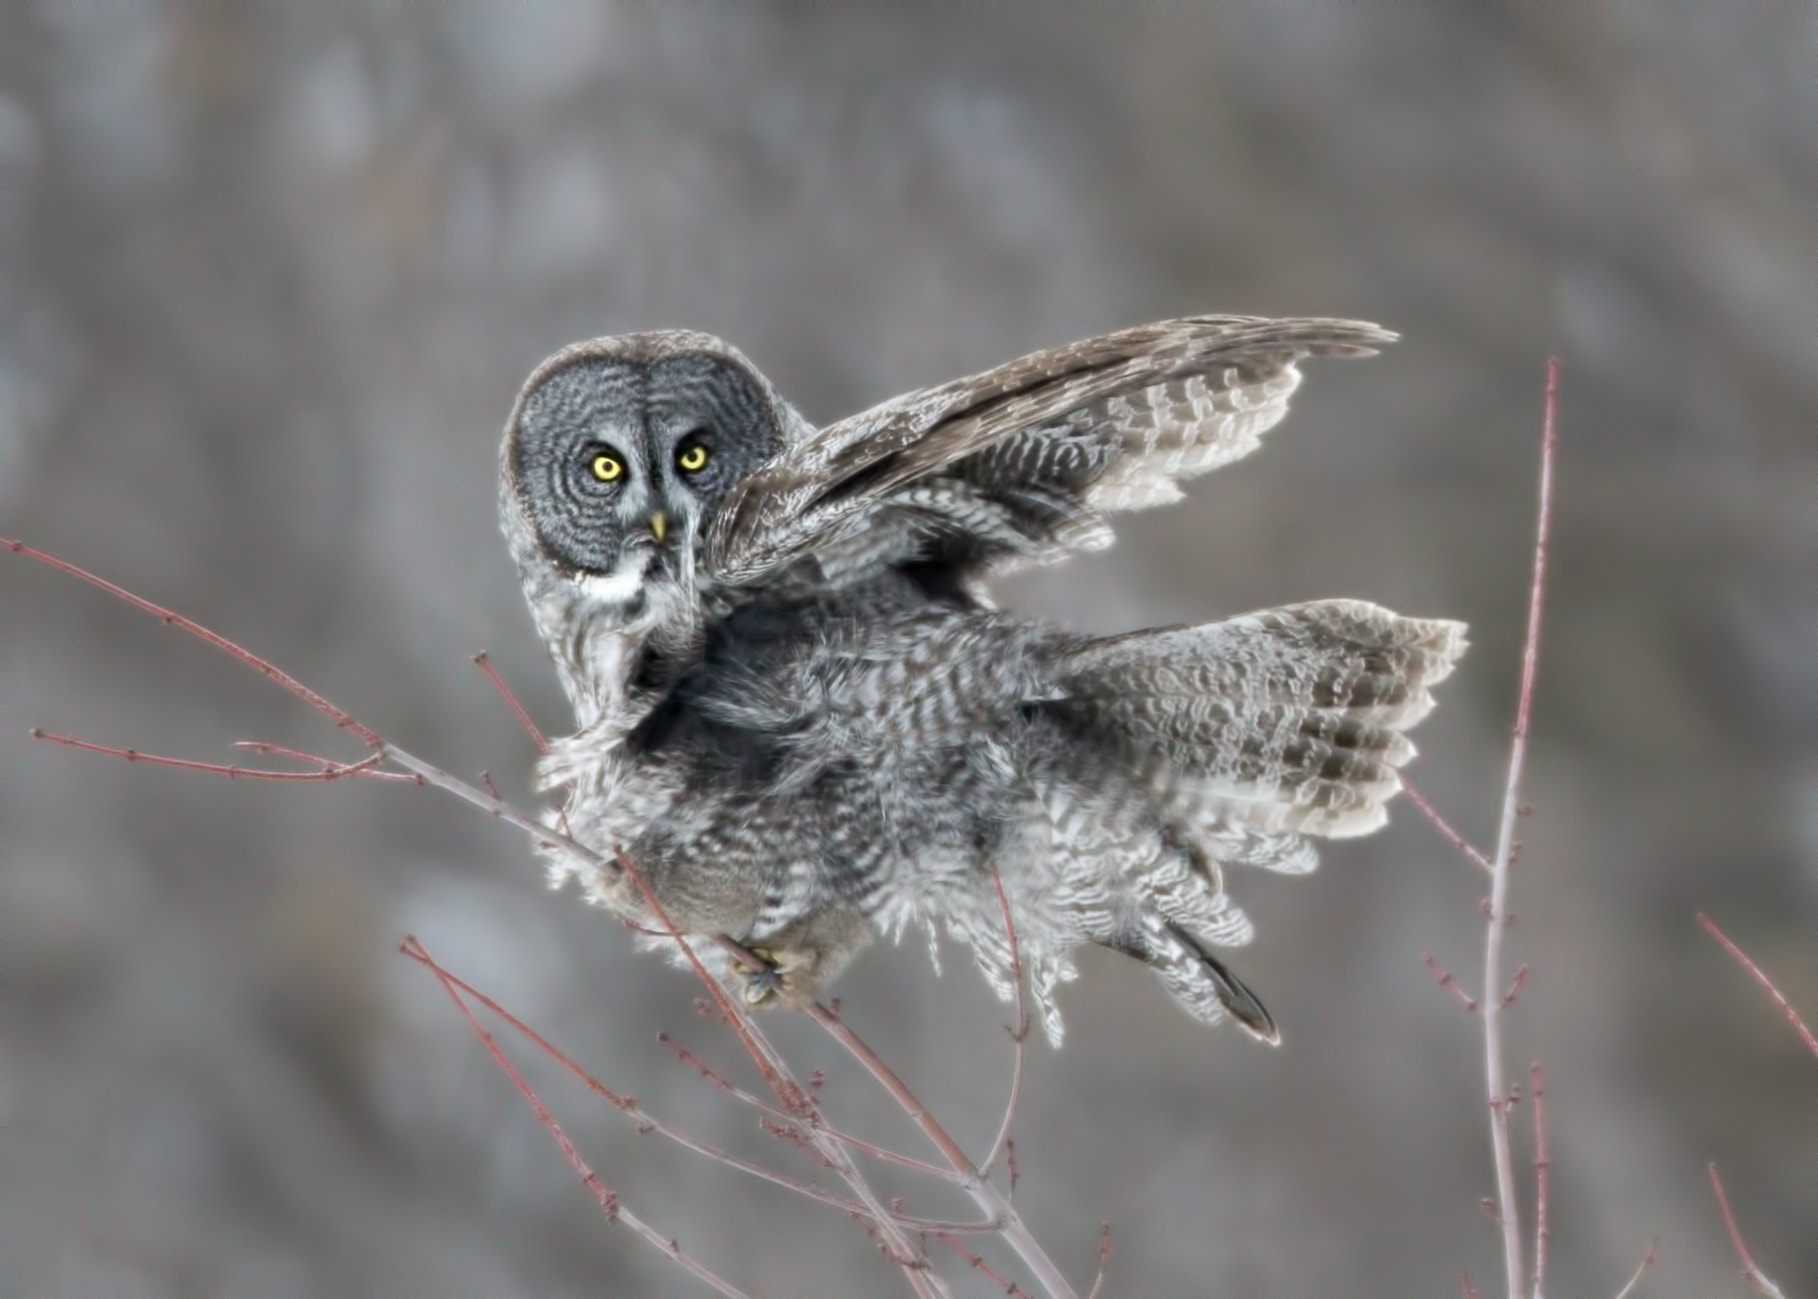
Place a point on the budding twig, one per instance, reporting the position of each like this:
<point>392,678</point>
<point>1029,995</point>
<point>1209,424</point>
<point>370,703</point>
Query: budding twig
<point>1008,1286</point>
<point>1760,976</point>
<point>646,1121</point>
<point>610,1203</point>
<point>1448,982</point>
<point>758,1103</point>
<point>1647,1261</point>
<point>483,661</point>
<point>171,619</point>
<point>795,1097</point>
<point>1751,1270</point>
<point>1542,1176</point>
<point>1495,1074</point>
<point>1019,1036</point>
<point>233,771</point>
<point>1440,824</point>
<point>993,1203</point>
<point>1104,1261</point>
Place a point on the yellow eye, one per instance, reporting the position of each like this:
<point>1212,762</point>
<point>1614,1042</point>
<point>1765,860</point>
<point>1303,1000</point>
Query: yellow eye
<point>692,458</point>
<point>608,468</point>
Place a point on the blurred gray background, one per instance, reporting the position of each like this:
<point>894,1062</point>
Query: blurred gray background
<point>268,281</point>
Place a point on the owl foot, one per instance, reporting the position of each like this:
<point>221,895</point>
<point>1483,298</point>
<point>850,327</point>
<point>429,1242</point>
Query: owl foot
<point>783,977</point>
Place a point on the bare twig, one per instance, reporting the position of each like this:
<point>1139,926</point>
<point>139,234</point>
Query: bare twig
<point>1751,1270</point>
<point>1448,982</point>
<point>483,661</point>
<point>1440,824</point>
<point>758,1103</point>
<point>1542,1176</point>
<point>798,1101</point>
<point>196,629</point>
<point>646,1121</point>
<point>1019,1035</point>
<point>366,767</point>
<point>1760,976</point>
<point>993,1203</point>
<point>610,1204</point>
<point>723,1084</point>
<point>1008,1286</point>
<point>233,771</point>
<point>541,834</point>
<point>1516,984</point>
<point>1647,1261</point>
<point>1104,1260</point>
<point>1496,926</point>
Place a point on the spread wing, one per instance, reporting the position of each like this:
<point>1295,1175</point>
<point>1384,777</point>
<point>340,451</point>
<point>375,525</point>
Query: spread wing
<point>1022,463</point>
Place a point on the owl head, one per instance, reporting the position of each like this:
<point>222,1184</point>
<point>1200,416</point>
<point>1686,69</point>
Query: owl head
<point>617,459</point>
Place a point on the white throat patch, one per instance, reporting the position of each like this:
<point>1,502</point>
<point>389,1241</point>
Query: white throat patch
<point>620,585</point>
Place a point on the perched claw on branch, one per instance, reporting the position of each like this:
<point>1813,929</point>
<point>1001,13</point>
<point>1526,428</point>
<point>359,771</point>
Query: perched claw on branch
<point>765,983</point>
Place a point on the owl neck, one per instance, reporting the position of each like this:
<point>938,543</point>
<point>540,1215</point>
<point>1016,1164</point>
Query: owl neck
<point>598,645</point>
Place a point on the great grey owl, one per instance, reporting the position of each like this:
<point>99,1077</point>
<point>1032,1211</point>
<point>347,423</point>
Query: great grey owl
<point>805,723</point>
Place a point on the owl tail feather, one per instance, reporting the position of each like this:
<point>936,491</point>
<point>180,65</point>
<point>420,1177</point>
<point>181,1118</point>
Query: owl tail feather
<point>1238,1001</point>
<point>1198,980</point>
<point>1279,723</point>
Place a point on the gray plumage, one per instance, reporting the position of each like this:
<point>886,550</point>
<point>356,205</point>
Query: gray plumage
<point>802,719</point>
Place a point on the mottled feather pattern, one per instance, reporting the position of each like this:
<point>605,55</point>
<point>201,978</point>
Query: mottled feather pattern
<point>1285,720</point>
<point>1175,398</point>
<point>803,719</point>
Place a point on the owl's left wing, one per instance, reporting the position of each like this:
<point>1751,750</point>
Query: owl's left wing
<point>1021,463</point>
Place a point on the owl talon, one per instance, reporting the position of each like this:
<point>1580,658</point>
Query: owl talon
<point>764,984</point>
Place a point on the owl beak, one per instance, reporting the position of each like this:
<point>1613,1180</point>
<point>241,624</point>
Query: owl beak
<point>659,525</point>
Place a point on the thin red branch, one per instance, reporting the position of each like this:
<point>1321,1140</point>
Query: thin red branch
<point>794,1097</point>
<point>724,1084</point>
<point>646,1121</point>
<point>1008,1286</point>
<point>1440,824</point>
<point>484,662</point>
<point>1543,1169</point>
<point>776,1073</point>
<point>1465,1286</point>
<point>1647,1261</point>
<point>1751,1270</point>
<point>1516,984</point>
<point>888,1156</point>
<point>1019,1035</point>
<point>196,629</point>
<point>993,1203</point>
<point>765,1056</point>
<point>1104,1261</point>
<point>1445,980</point>
<point>1760,976</point>
<point>314,759</point>
<point>610,1204</point>
<point>1496,926</point>
<point>818,1119</point>
<point>737,1093</point>
<point>541,835</point>
<point>233,771</point>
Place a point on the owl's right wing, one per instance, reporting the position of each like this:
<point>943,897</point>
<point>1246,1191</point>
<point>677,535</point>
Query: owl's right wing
<point>1022,463</point>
